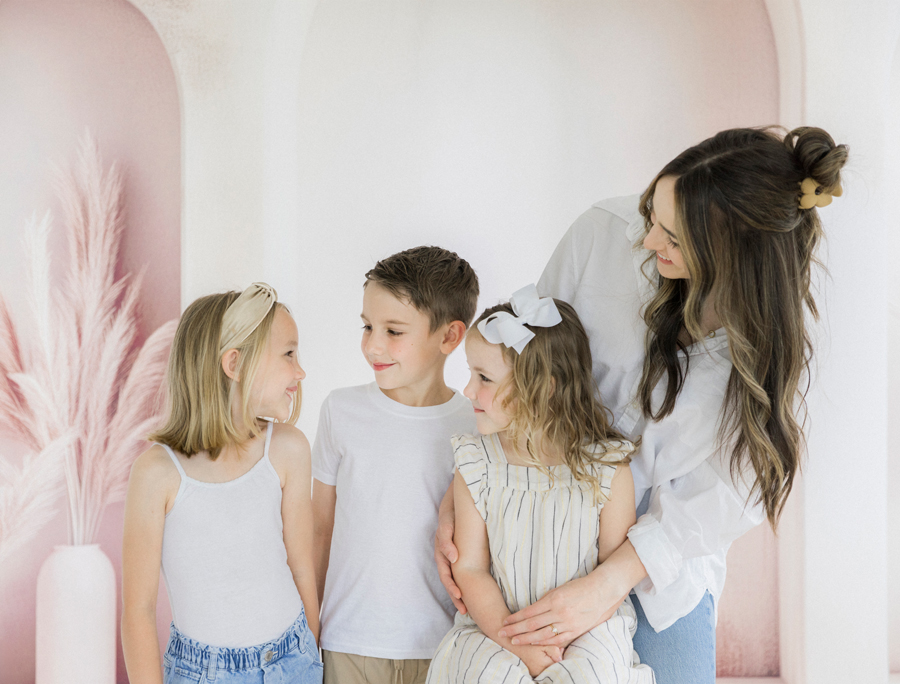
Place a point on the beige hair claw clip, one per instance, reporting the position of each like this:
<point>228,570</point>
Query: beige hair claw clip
<point>814,195</point>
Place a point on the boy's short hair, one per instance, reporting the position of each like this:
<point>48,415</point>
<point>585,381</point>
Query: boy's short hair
<point>436,281</point>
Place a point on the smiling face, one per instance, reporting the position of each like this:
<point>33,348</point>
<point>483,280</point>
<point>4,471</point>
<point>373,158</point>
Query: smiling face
<point>279,374</point>
<point>398,343</point>
<point>489,373</point>
<point>662,237</point>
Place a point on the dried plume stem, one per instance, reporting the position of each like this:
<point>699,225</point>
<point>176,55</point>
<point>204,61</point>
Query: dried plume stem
<point>78,390</point>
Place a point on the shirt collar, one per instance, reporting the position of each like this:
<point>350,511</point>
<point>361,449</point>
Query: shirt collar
<point>645,270</point>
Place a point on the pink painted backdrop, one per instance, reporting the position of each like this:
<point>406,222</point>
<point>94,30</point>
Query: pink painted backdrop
<point>64,67</point>
<point>747,636</point>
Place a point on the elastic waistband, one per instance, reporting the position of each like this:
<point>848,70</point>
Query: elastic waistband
<point>236,659</point>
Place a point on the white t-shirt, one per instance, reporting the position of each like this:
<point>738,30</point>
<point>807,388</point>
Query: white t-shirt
<point>695,510</point>
<point>392,465</point>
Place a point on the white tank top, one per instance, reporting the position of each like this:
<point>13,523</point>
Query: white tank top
<point>224,560</point>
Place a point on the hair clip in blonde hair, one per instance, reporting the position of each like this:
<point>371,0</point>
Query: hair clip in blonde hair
<point>504,327</point>
<point>814,195</point>
<point>245,314</point>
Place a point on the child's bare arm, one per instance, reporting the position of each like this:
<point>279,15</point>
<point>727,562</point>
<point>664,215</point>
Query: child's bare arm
<point>297,517</point>
<point>444,551</point>
<point>616,518</point>
<point>480,592</point>
<point>153,477</point>
<point>618,515</point>
<point>324,501</point>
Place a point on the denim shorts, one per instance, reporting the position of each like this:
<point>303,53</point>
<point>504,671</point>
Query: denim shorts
<point>291,658</point>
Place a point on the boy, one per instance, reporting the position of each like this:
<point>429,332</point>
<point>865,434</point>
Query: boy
<point>382,462</point>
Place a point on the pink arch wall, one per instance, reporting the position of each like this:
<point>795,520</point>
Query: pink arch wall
<point>66,67</point>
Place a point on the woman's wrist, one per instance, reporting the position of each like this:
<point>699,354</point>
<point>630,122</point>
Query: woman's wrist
<point>619,574</point>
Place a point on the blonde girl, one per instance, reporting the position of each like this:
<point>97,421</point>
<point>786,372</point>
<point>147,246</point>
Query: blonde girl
<point>221,503</point>
<point>543,494</point>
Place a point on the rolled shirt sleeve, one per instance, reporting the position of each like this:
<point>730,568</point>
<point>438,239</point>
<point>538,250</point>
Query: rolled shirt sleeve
<point>696,507</point>
<point>699,514</point>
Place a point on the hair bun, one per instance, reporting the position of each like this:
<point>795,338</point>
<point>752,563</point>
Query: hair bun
<point>817,155</point>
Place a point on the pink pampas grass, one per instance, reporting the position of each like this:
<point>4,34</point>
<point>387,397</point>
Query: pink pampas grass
<point>78,377</point>
<point>27,496</point>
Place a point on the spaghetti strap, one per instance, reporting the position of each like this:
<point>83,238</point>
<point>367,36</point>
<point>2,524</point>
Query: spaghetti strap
<point>268,440</point>
<point>174,460</point>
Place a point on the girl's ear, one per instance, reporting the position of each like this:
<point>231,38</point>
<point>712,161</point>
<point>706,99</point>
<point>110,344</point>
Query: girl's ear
<point>230,362</point>
<point>454,333</point>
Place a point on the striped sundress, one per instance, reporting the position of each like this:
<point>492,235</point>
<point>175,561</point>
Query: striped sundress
<point>541,535</point>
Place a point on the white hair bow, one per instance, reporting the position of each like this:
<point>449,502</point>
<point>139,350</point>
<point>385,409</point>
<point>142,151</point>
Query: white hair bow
<point>505,328</point>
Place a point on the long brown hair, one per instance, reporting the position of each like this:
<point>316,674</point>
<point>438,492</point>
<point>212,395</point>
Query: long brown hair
<point>199,394</point>
<point>552,398</point>
<point>747,244</point>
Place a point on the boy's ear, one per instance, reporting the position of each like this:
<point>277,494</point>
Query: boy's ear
<point>453,335</point>
<point>230,362</point>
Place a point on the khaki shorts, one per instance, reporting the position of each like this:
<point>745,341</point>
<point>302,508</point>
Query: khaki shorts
<point>346,668</point>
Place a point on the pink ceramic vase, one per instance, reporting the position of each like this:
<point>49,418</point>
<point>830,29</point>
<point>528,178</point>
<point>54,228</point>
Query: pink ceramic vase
<point>76,618</point>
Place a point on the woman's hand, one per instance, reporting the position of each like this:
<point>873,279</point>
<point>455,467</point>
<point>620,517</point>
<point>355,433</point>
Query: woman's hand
<point>445,551</point>
<point>571,610</point>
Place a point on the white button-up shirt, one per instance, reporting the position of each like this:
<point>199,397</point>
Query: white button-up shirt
<point>695,509</point>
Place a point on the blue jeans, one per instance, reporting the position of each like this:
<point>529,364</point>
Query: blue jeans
<point>292,658</point>
<point>685,652</point>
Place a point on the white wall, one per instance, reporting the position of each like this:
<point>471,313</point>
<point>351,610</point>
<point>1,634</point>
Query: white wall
<point>837,614</point>
<point>892,179</point>
<point>487,128</point>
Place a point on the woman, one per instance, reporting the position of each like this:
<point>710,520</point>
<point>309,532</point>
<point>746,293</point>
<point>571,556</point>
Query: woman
<point>694,296</point>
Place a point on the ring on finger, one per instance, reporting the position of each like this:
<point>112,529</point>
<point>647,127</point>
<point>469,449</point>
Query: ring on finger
<point>553,629</point>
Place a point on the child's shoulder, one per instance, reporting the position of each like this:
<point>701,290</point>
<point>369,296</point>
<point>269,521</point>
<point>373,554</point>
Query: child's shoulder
<point>288,435</point>
<point>368,398</point>
<point>468,448</point>
<point>288,443</point>
<point>155,469</point>
<point>289,453</point>
<point>465,439</point>
<point>346,396</point>
<point>614,451</point>
<point>351,391</point>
